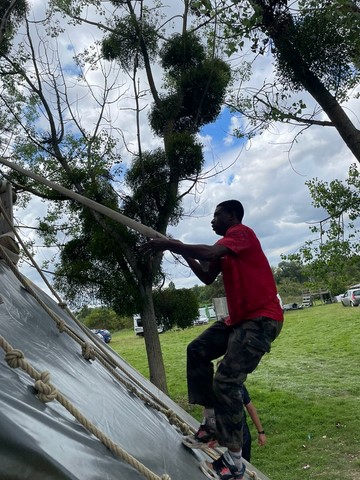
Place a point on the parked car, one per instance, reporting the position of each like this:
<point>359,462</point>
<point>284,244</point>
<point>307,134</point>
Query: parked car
<point>202,318</point>
<point>101,332</point>
<point>351,298</point>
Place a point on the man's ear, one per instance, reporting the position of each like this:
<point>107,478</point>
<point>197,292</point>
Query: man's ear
<point>233,217</point>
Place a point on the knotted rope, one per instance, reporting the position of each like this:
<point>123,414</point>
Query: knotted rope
<point>91,354</point>
<point>100,353</point>
<point>47,392</point>
<point>88,351</point>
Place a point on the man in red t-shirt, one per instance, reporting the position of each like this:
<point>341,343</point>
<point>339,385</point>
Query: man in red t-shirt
<point>255,320</point>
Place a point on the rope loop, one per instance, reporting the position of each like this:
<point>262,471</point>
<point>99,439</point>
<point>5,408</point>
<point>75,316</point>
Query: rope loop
<point>61,326</point>
<point>44,376</point>
<point>185,429</point>
<point>165,477</point>
<point>132,389</point>
<point>88,351</point>
<point>171,417</point>
<point>46,391</point>
<point>14,358</point>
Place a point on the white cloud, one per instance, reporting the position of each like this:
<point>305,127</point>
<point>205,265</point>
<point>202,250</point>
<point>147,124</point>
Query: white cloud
<point>234,125</point>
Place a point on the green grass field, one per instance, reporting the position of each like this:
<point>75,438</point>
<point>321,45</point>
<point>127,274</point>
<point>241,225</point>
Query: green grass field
<point>307,392</point>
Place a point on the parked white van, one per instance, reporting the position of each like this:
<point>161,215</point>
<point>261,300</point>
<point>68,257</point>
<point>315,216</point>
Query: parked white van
<point>138,326</point>
<point>211,312</point>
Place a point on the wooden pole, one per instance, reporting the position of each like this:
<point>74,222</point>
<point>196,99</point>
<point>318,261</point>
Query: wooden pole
<point>118,217</point>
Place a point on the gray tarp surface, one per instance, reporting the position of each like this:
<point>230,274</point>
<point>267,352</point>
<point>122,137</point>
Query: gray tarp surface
<point>43,441</point>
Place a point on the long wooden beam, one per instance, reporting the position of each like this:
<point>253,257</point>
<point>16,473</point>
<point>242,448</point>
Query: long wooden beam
<point>108,212</point>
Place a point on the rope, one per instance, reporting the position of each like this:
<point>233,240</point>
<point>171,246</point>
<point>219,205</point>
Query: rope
<point>60,301</point>
<point>183,426</point>
<point>47,392</point>
<point>63,327</point>
<point>88,351</point>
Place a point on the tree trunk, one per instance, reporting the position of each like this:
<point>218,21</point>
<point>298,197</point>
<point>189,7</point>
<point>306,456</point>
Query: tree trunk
<point>152,341</point>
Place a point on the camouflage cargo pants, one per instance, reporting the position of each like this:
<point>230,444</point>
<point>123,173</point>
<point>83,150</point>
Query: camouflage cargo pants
<point>242,348</point>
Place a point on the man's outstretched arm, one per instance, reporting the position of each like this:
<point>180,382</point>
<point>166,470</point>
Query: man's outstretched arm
<point>191,253</point>
<point>205,271</point>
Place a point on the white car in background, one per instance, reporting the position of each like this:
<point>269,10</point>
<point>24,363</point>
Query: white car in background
<point>202,318</point>
<point>351,298</point>
<point>138,326</point>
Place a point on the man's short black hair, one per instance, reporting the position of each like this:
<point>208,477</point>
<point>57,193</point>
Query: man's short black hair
<point>233,206</point>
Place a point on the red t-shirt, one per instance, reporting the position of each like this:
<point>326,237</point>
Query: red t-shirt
<point>248,280</point>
